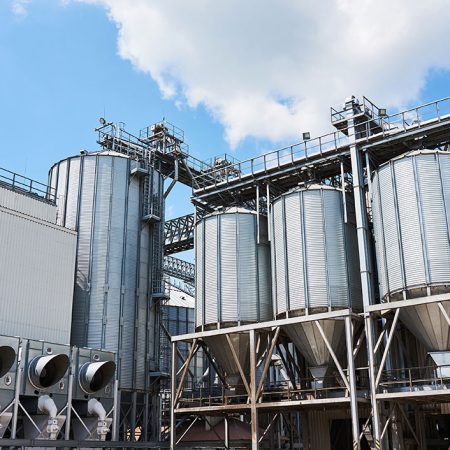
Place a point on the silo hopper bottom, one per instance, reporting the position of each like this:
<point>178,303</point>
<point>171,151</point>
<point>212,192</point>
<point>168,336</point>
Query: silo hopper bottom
<point>221,351</point>
<point>429,325</point>
<point>309,342</point>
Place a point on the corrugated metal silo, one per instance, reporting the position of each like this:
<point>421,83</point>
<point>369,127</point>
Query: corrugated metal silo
<point>411,214</point>
<point>232,281</point>
<point>106,197</point>
<point>315,266</point>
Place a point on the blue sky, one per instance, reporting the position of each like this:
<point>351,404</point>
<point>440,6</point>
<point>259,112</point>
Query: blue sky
<point>60,70</point>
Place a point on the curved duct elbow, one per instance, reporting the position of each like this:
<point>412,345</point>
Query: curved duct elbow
<point>47,405</point>
<point>95,408</point>
<point>45,371</point>
<point>95,376</point>
<point>7,359</point>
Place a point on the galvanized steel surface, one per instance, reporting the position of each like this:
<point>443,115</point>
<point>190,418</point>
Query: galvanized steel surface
<point>411,215</point>
<point>232,269</point>
<point>314,252</point>
<point>33,207</point>
<point>37,260</point>
<point>99,197</point>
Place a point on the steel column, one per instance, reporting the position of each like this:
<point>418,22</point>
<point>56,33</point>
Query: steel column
<point>254,412</point>
<point>352,383</point>
<point>172,397</point>
<point>363,235</point>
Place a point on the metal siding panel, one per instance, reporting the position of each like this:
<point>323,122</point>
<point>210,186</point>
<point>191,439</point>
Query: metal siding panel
<point>39,305</point>
<point>60,172</point>
<point>315,249</point>
<point>199,264</point>
<point>82,280</point>
<point>434,219</point>
<point>379,238</point>
<point>236,269</point>
<point>131,361</point>
<point>390,223</point>
<point>409,223</point>
<point>338,286</point>
<point>211,263</point>
<point>99,258</point>
<point>228,267</point>
<point>248,301</point>
<point>294,248</point>
<point>72,194</point>
<point>27,205</point>
<point>279,243</point>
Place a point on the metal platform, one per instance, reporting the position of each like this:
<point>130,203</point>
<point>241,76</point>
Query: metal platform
<point>426,126</point>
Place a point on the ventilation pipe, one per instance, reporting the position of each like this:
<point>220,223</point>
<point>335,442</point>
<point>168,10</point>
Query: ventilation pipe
<point>95,376</point>
<point>47,406</point>
<point>95,408</point>
<point>46,371</point>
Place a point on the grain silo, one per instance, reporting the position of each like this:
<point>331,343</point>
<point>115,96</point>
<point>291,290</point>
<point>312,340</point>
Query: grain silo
<point>232,282</point>
<point>411,214</point>
<point>115,204</point>
<point>315,267</point>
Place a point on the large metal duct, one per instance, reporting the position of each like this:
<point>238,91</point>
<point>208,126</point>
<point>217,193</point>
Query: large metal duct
<point>232,282</point>
<point>411,215</point>
<point>9,351</point>
<point>116,206</point>
<point>93,392</point>
<point>315,267</point>
<point>44,391</point>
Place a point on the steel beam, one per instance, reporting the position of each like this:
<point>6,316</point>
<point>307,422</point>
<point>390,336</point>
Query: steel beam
<point>267,325</point>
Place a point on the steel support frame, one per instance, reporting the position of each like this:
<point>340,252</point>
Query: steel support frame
<point>392,311</point>
<point>254,390</point>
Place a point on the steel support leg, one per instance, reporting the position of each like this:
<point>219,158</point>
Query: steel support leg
<point>365,264</point>
<point>253,387</point>
<point>352,383</point>
<point>226,433</point>
<point>69,408</point>
<point>173,390</point>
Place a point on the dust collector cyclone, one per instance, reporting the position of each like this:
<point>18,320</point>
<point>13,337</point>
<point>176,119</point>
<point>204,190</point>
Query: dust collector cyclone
<point>411,214</point>
<point>233,283</point>
<point>315,266</point>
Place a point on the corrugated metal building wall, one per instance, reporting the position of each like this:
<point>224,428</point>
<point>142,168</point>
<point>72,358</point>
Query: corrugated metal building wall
<point>37,263</point>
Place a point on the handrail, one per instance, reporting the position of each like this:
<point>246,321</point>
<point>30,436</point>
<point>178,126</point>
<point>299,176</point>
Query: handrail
<point>27,186</point>
<point>334,141</point>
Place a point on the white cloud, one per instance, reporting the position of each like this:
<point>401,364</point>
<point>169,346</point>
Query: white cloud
<point>272,69</point>
<point>19,7</point>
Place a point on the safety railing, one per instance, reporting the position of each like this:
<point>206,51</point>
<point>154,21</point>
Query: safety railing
<point>414,378</point>
<point>372,126</point>
<point>273,160</point>
<point>27,186</point>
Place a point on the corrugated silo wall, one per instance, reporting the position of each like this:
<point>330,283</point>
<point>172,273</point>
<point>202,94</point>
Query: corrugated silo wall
<point>232,269</point>
<point>99,197</point>
<point>37,260</point>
